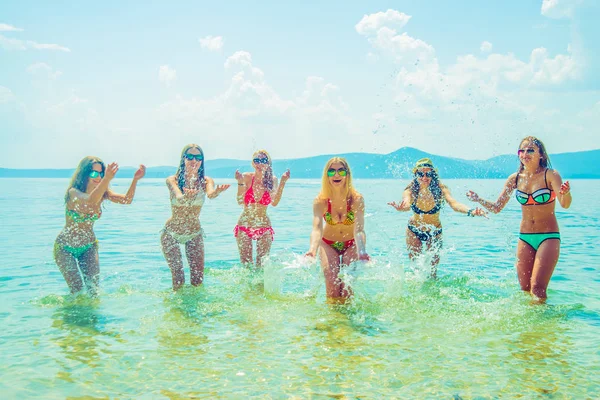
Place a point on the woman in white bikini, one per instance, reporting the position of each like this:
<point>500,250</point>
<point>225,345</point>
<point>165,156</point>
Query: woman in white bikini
<point>188,188</point>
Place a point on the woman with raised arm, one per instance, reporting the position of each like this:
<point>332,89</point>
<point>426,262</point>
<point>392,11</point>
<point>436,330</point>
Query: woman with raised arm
<point>76,247</point>
<point>537,187</point>
<point>256,191</point>
<point>425,195</point>
<point>187,190</point>
<point>341,240</point>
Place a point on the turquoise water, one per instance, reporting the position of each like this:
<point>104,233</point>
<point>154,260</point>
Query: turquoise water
<point>470,334</point>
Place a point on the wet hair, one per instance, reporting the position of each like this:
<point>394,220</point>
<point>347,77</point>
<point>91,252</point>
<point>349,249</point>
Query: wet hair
<point>180,174</point>
<point>544,157</point>
<point>326,191</point>
<point>268,175</point>
<point>81,176</point>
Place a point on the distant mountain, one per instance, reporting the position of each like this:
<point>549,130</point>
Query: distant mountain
<point>397,164</point>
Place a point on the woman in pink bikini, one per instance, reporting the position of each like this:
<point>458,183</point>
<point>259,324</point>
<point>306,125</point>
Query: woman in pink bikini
<point>342,239</point>
<point>187,188</point>
<point>256,191</point>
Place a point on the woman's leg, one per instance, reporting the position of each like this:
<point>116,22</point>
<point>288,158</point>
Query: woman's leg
<point>263,247</point>
<point>67,264</point>
<point>546,258</point>
<point>525,260</point>
<point>434,245</point>
<point>245,247</point>
<point>414,246</point>
<point>330,264</point>
<point>90,268</point>
<point>194,251</point>
<point>172,253</point>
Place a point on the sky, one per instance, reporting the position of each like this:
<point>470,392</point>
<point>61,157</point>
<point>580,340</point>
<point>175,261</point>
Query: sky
<point>135,81</point>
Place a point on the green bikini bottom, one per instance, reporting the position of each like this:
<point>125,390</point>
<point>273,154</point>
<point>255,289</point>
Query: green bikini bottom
<point>76,251</point>
<point>536,239</point>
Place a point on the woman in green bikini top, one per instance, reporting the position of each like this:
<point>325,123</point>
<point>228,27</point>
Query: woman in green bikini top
<point>76,247</point>
<point>537,186</point>
<point>338,235</point>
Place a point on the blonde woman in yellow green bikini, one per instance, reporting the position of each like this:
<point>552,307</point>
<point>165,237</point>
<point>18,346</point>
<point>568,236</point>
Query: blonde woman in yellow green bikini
<point>76,247</point>
<point>537,187</point>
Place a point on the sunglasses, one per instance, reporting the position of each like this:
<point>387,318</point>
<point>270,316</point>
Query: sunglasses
<point>428,174</point>
<point>523,151</point>
<point>198,157</point>
<point>341,172</point>
<point>262,160</point>
<point>94,174</point>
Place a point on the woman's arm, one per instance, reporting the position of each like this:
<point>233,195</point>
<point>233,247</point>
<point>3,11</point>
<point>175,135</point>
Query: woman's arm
<point>459,207</point>
<point>243,180</point>
<point>360,238</point>
<point>128,197</point>
<point>496,207</point>
<point>564,193</point>
<point>96,195</point>
<point>317,231</point>
<point>279,188</point>
<point>405,203</point>
<point>213,191</point>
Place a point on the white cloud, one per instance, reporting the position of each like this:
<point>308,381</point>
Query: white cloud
<point>486,47</point>
<point>167,75</point>
<point>45,69</point>
<point>242,58</point>
<point>6,95</point>
<point>211,43</point>
<point>16,44</point>
<point>252,114</point>
<point>403,48</point>
<point>559,8</point>
<point>9,28</point>
<point>372,23</point>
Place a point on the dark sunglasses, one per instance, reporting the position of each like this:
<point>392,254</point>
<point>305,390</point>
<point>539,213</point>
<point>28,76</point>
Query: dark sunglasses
<point>528,151</point>
<point>262,160</point>
<point>341,171</point>
<point>190,157</point>
<point>94,174</point>
<point>428,174</point>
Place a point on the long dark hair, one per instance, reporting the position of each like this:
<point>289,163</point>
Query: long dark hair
<point>434,186</point>
<point>81,176</point>
<point>544,157</point>
<point>180,174</point>
<point>268,175</point>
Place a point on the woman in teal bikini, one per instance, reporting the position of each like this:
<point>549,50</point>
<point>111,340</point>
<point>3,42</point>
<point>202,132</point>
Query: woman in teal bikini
<point>425,196</point>
<point>76,247</point>
<point>342,238</point>
<point>537,187</point>
<point>187,189</point>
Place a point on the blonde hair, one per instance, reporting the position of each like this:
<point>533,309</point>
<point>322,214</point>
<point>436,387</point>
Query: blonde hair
<point>81,176</point>
<point>326,191</point>
<point>268,175</point>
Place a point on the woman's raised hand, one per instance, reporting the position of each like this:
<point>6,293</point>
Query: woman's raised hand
<point>111,170</point>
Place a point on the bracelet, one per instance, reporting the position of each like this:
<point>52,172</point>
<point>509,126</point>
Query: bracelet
<point>470,212</point>
<point>241,184</point>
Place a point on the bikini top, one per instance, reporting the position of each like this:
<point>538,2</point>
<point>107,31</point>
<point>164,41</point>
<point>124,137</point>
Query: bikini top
<point>198,201</point>
<point>349,214</point>
<point>81,218</point>
<point>417,210</point>
<point>541,196</point>
<point>265,200</point>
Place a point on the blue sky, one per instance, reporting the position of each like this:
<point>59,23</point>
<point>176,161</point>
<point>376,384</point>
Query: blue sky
<point>136,81</point>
